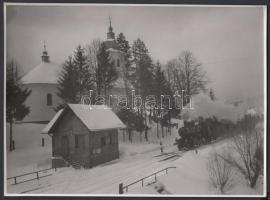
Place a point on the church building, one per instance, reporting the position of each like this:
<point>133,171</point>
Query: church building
<point>42,81</point>
<point>118,57</point>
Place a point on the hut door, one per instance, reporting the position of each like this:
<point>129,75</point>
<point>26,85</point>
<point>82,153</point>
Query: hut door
<point>65,146</point>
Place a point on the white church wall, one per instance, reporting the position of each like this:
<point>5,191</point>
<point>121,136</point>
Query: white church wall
<point>118,55</point>
<point>37,101</point>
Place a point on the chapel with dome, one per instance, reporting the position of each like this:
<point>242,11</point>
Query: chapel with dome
<point>42,81</point>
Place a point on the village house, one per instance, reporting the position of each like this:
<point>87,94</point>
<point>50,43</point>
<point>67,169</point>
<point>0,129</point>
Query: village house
<point>84,136</point>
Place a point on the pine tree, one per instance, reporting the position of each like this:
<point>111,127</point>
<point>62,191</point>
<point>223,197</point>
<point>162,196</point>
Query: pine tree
<point>160,82</point>
<point>15,98</point>
<point>85,81</point>
<point>161,87</point>
<point>75,79</point>
<point>131,120</point>
<point>123,44</point>
<point>139,50</point>
<point>106,73</point>
<point>68,84</point>
<point>124,47</point>
<point>142,78</point>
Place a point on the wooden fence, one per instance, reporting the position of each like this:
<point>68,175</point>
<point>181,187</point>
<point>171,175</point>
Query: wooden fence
<point>123,188</point>
<point>36,176</point>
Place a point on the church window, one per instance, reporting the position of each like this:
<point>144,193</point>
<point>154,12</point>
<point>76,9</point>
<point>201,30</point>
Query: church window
<point>49,99</point>
<point>118,63</point>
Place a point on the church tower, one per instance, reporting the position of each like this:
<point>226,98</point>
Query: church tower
<point>118,57</point>
<point>45,57</point>
<point>110,42</point>
<point>110,34</point>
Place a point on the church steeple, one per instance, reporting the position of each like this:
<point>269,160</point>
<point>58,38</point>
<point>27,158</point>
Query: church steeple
<point>110,34</point>
<point>45,57</point>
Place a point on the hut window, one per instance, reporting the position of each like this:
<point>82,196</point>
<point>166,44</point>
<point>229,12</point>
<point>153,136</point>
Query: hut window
<point>79,141</point>
<point>49,99</point>
<point>103,141</point>
<point>97,151</point>
<point>76,141</point>
<point>118,63</point>
<point>110,137</point>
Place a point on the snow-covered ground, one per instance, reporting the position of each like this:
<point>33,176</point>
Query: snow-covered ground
<point>29,155</point>
<point>191,176</point>
<point>137,159</point>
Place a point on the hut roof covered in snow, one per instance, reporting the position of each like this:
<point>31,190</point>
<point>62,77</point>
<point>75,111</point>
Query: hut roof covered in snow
<point>45,72</point>
<point>94,117</point>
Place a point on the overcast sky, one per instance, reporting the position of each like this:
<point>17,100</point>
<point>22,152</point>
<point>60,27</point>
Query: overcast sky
<point>228,41</point>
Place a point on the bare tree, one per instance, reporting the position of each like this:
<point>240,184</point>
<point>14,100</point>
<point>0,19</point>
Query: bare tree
<point>220,172</point>
<point>174,75</point>
<point>92,52</point>
<point>186,73</point>
<point>249,155</point>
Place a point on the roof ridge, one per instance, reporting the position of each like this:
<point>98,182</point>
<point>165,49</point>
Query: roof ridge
<point>43,73</point>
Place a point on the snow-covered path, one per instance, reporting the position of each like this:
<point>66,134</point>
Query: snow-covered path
<point>103,179</point>
<point>137,160</point>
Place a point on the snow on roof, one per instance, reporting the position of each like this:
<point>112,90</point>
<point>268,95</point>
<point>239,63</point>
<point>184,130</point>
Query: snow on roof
<point>97,117</point>
<point>251,111</point>
<point>110,39</point>
<point>114,50</point>
<point>51,123</point>
<point>94,117</point>
<point>45,72</point>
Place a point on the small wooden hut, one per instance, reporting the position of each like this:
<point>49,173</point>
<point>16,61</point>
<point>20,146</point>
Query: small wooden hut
<point>85,135</point>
